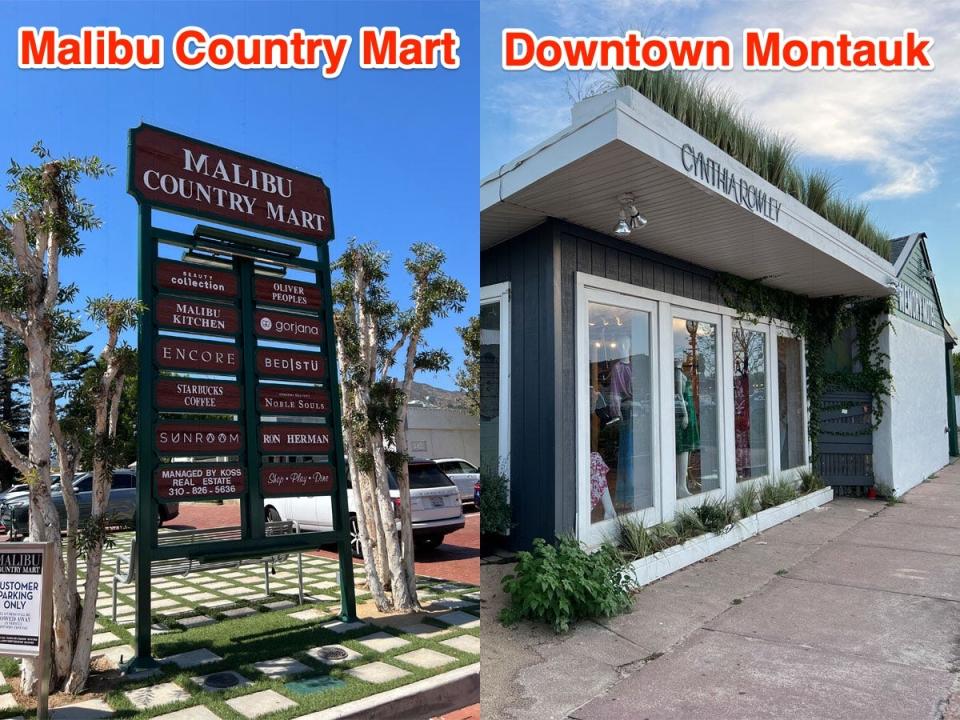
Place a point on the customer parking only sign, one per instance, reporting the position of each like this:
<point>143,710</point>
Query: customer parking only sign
<point>24,591</point>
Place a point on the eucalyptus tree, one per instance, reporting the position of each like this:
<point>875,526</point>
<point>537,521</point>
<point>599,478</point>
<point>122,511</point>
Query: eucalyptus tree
<point>41,228</point>
<point>468,377</point>
<point>375,339</point>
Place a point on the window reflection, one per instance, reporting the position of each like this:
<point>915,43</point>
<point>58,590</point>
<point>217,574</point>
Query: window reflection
<point>490,386</point>
<point>621,423</point>
<point>790,365</point>
<point>695,398</point>
<point>750,402</point>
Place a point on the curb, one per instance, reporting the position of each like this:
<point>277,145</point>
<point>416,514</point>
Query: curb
<point>417,701</point>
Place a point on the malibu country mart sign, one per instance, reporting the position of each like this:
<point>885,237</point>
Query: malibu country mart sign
<point>181,174</point>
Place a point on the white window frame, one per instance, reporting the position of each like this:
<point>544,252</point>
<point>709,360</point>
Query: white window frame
<point>769,331</point>
<point>679,310</point>
<point>599,289</point>
<point>500,293</point>
<point>783,330</point>
<point>589,532</point>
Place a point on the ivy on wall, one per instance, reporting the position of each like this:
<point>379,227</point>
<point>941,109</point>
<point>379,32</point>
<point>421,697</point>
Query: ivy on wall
<point>819,321</point>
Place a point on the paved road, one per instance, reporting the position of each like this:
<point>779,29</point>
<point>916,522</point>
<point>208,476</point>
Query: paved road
<point>850,611</point>
<point>458,558</point>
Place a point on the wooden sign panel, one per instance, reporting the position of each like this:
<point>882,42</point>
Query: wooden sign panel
<point>300,439</point>
<point>190,176</point>
<point>200,481</point>
<point>197,395</point>
<point>178,354</point>
<point>208,438</point>
<point>285,326</point>
<point>292,400</point>
<point>196,279</point>
<point>287,293</point>
<point>195,316</point>
<point>315,479</point>
<point>276,362</point>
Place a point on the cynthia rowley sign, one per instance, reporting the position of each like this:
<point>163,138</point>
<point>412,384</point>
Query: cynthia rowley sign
<point>740,190</point>
<point>182,174</point>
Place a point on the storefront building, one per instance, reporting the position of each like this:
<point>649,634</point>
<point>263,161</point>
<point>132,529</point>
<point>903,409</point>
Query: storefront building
<point>615,381</point>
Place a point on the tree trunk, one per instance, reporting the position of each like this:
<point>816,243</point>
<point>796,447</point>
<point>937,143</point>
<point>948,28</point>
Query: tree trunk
<point>44,518</point>
<point>399,588</point>
<point>406,526</point>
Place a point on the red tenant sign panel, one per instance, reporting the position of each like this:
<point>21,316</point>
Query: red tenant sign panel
<point>199,481</point>
<point>200,317</point>
<point>300,439</point>
<point>196,279</point>
<point>178,354</point>
<point>188,395</point>
<point>292,400</point>
<point>287,293</point>
<point>208,438</point>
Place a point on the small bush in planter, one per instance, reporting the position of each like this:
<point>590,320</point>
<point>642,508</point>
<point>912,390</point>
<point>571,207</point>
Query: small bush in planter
<point>746,501</point>
<point>560,584</point>
<point>494,503</point>
<point>636,541</point>
<point>715,515</point>
<point>810,482</point>
<point>776,493</point>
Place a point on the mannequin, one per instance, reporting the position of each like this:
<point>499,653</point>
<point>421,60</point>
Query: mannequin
<point>621,404</point>
<point>687,432</point>
<point>599,489</point>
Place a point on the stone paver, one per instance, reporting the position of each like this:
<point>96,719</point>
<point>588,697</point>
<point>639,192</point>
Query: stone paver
<point>281,667</point>
<point>201,680</point>
<point>152,696</point>
<point>88,710</point>
<point>310,614</point>
<point>459,618</point>
<point>260,703</point>
<point>425,658</point>
<point>422,630</point>
<point>383,642</point>
<point>8,701</point>
<point>239,612</point>
<point>192,658</point>
<point>196,712</point>
<point>103,637</point>
<point>340,627</point>
<point>377,672</point>
<point>196,621</point>
<point>318,653</point>
<point>113,656</point>
<point>464,643</point>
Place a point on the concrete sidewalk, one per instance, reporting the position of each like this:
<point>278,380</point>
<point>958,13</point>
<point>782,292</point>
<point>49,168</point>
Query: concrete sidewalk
<point>849,611</point>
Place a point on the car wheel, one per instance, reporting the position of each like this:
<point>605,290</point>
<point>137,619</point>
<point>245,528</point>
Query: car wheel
<point>428,542</point>
<point>272,515</point>
<point>356,547</point>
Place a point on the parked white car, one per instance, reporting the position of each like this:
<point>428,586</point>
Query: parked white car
<point>435,507</point>
<point>464,475</point>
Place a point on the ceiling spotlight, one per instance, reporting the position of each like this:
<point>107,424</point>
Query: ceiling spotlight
<point>630,217</point>
<point>622,227</point>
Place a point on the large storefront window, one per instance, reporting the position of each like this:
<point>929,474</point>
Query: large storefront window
<point>620,377</point>
<point>696,406</point>
<point>750,403</point>
<point>492,445</point>
<point>790,374</point>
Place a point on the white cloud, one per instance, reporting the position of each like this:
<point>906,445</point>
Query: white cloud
<point>891,123</point>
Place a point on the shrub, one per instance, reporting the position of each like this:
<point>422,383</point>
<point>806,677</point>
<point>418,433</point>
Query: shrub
<point>636,541</point>
<point>688,525</point>
<point>715,515</point>
<point>775,493</point>
<point>494,503</point>
<point>560,584</point>
<point>746,500</point>
<point>810,482</point>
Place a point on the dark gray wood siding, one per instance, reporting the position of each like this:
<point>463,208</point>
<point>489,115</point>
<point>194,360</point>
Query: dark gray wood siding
<point>526,262</point>
<point>583,250</point>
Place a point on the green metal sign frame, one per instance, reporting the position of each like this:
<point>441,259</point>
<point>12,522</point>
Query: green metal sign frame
<point>254,542</point>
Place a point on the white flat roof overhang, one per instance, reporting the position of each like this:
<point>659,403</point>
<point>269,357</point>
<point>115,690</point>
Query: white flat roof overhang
<point>620,142</point>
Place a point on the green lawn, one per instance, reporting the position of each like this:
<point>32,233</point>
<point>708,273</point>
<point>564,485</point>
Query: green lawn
<point>272,632</point>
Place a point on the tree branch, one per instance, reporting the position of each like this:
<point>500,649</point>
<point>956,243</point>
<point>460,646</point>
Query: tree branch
<point>13,456</point>
<point>12,323</point>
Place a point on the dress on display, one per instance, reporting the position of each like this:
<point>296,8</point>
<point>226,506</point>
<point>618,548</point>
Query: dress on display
<point>688,438</point>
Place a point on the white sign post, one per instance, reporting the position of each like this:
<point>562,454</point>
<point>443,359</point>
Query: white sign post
<point>26,608</point>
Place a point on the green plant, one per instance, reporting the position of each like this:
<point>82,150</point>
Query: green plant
<point>688,525</point>
<point>715,515</point>
<point>560,584</point>
<point>810,482</point>
<point>636,541</point>
<point>494,502</point>
<point>889,494</point>
<point>746,500</point>
<point>776,492</point>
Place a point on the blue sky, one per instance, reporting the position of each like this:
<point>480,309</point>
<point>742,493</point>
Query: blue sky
<point>397,148</point>
<point>890,139</point>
